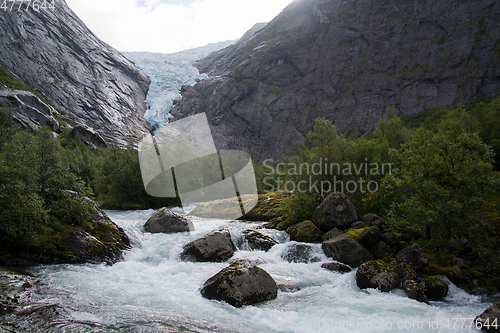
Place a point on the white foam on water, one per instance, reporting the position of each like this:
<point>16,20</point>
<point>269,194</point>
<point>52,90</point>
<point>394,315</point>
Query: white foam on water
<point>151,288</point>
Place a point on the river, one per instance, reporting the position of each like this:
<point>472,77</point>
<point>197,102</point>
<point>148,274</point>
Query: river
<point>152,291</point>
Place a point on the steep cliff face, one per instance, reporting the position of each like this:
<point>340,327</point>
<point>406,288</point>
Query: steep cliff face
<point>348,62</point>
<point>55,53</point>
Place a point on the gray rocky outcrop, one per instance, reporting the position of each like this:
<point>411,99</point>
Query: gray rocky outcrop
<point>91,83</point>
<point>240,285</point>
<point>347,62</point>
<point>216,246</point>
<point>305,231</point>
<point>258,241</point>
<point>346,250</point>
<point>165,220</point>
<point>27,109</point>
<point>335,211</point>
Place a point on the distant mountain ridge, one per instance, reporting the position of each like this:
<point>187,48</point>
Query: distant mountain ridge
<point>91,82</point>
<point>348,62</point>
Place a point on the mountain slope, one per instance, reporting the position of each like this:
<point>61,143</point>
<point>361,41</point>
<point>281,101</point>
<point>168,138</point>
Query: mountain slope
<point>55,53</point>
<point>348,62</point>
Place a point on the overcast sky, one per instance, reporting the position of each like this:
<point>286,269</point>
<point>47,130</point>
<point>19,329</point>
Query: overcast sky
<point>172,25</point>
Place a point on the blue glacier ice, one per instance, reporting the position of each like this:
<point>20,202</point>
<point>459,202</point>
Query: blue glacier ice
<point>168,72</point>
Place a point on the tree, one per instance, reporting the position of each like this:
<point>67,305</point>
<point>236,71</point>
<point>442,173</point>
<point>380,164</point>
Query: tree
<point>442,179</point>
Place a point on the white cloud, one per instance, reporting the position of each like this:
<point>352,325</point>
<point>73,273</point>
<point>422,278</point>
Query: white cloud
<point>172,25</point>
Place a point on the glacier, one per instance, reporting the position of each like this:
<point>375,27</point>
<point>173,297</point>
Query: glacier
<point>168,72</point>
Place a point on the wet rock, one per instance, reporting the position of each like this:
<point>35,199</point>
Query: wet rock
<point>216,246</point>
<point>258,241</point>
<point>80,243</point>
<point>490,316</point>
<point>346,250</point>
<point>246,261</point>
<point>165,220</point>
<point>330,234</point>
<point>414,291</point>
<point>370,237</point>
<point>414,256</point>
<point>405,271</point>
<point>336,267</point>
<point>305,231</point>
<point>435,288</point>
<point>288,288</point>
<point>336,211</point>
<point>300,253</point>
<point>378,274</point>
<point>240,285</point>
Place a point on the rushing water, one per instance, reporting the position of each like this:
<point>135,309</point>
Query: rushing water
<point>151,291</point>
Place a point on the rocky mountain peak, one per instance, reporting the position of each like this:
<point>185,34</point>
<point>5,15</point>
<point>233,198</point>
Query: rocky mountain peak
<point>88,80</point>
<point>348,62</point>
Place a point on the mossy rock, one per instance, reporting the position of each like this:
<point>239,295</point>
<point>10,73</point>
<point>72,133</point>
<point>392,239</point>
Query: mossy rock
<point>355,234</point>
<point>378,274</point>
<point>305,232</point>
<point>435,288</point>
<point>267,207</point>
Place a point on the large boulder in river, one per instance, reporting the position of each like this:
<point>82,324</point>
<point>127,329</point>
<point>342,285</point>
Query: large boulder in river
<point>414,291</point>
<point>379,275</point>
<point>165,220</point>
<point>216,246</point>
<point>300,253</point>
<point>346,250</point>
<point>489,320</point>
<point>435,288</point>
<point>414,256</point>
<point>240,284</point>
<point>258,241</point>
<point>305,232</point>
<point>336,211</point>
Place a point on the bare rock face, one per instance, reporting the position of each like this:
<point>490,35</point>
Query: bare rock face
<point>27,109</point>
<point>165,220</point>
<point>92,83</point>
<point>348,62</point>
<point>216,246</point>
<point>240,284</point>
